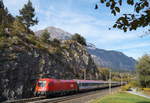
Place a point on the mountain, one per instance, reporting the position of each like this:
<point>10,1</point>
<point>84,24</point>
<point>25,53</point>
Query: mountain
<point>102,58</point>
<point>111,59</point>
<point>55,33</point>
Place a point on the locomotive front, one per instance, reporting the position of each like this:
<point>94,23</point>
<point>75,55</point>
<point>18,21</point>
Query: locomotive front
<point>42,87</point>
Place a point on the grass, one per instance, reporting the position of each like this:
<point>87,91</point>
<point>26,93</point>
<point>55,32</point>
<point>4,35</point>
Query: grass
<point>122,97</point>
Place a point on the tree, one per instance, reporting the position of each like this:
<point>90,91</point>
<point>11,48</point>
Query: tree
<point>18,28</point>
<point>56,42</point>
<point>128,22</point>
<point>104,73</point>
<point>45,36</point>
<point>27,15</point>
<point>77,37</point>
<point>5,18</point>
<point>143,71</point>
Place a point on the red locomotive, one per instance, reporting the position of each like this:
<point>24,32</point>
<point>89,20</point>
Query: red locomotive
<point>49,86</point>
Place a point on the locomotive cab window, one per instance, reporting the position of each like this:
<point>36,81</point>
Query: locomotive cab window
<point>41,83</point>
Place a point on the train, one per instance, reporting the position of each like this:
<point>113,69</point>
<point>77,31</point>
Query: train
<point>51,86</point>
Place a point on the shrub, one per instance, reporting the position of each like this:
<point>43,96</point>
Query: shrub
<point>77,37</point>
<point>18,28</point>
<point>55,42</point>
<point>126,87</point>
<point>45,36</point>
<point>146,89</point>
<point>134,84</point>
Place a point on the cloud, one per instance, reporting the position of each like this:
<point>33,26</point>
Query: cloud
<point>132,46</point>
<point>77,16</point>
<point>88,26</point>
<point>15,5</point>
<point>136,53</point>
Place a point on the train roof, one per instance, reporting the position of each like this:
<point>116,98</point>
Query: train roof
<point>76,80</point>
<point>90,81</point>
<point>52,79</point>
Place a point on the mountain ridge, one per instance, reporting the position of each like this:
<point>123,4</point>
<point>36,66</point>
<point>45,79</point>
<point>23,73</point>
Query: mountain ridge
<point>55,33</point>
<point>102,58</point>
<point>112,59</point>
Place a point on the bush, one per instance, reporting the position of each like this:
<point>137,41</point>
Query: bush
<point>146,89</point>
<point>32,39</point>
<point>77,37</point>
<point>126,87</point>
<point>45,36</point>
<point>134,84</point>
<point>18,28</point>
<point>55,42</point>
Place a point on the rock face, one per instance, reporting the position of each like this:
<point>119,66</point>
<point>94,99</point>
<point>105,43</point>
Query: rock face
<point>20,67</point>
<point>55,33</point>
<point>102,58</point>
<point>111,59</point>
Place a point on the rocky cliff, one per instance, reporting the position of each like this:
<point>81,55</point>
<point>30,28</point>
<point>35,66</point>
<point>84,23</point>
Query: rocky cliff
<point>102,58</point>
<point>21,64</point>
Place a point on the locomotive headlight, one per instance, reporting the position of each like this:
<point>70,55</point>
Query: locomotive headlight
<point>44,89</point>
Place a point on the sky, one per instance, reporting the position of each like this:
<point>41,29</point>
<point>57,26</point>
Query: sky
<point>79,16</point>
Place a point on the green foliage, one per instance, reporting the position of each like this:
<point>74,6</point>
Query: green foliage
<point>104,73</point>
<point>18,28</point>
<point>77,37</point>
<point>134,83</point>
<point>56,42</point>
<point>27,15</point>
<point>33,39</point>
<point>126,87</point>
<point>143,71</point>
<point>139,18</point>
<point>13,31</point>
<point>1,42</point>
<point>115,76</point>
<point>2,30</point>
<point>7,42</point>
<point>5,16</point>
<point>131,84</point>
<point>45,36</point>
<point>5,19</point>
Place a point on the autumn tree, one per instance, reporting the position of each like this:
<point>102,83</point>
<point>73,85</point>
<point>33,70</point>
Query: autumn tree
<point>104,73</point>
<point>77,37</point>
<point>130,21</point>
<point>27,15</point>
<point>143,71</point>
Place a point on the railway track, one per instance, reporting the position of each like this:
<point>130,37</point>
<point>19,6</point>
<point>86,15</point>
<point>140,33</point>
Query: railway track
<point>25,100</point>
<point>43,99</point>
<point>60,99</point>
<point>68,98</point>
